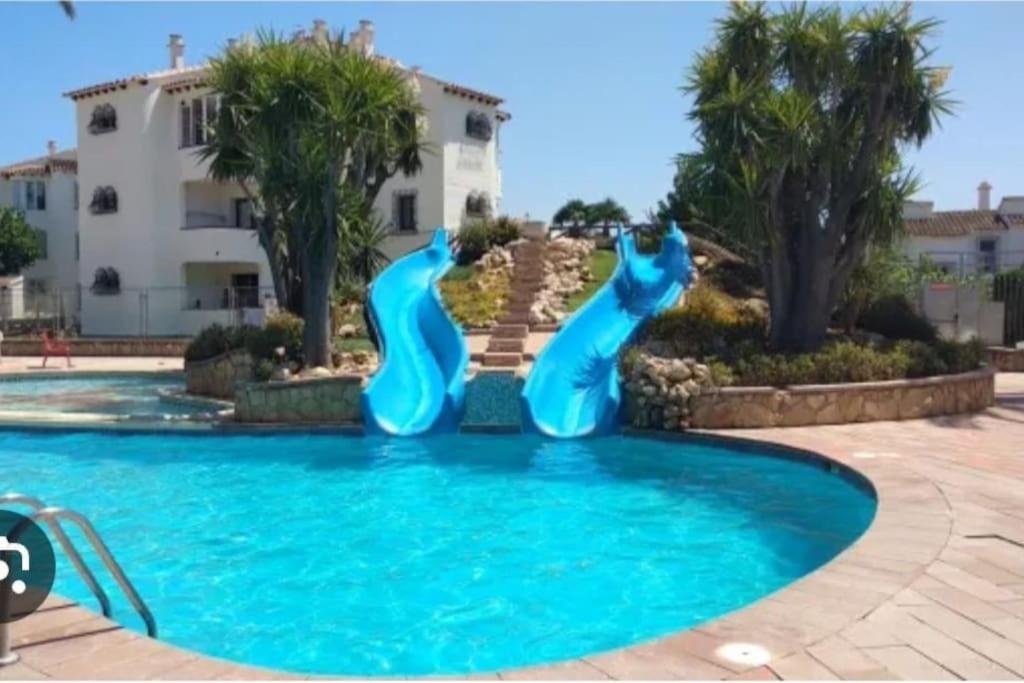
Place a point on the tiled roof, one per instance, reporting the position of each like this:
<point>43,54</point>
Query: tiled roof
<point>107,87</point>
<point>956,223</point>
<point>65,162</point>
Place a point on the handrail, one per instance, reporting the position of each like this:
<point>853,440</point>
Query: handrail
<point>56,513</point>
<point>66,544</point>
<point>52,517</point>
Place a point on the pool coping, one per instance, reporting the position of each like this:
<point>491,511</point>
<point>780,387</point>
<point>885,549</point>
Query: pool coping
<point>911,527</point>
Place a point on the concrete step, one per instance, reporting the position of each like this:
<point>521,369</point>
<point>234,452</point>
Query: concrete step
<point>545,327</point>
<point>506,346</point>
<point>514,319</point>
<point>503,360</point>
<point>518,306</point>
<point>516,331</point>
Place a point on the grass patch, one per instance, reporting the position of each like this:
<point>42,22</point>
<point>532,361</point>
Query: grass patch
<point>351,344</point>
<point>602,264</point>
<point>474,298</point>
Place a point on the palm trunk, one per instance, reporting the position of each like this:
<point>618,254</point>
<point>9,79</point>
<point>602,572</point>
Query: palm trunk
<point>319,266</point>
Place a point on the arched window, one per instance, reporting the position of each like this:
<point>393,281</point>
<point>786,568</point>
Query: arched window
<point>104,119</point>
<point>478,126</point>
<point>106,281</point>
<point>478,205</point>
<point>104,200</point>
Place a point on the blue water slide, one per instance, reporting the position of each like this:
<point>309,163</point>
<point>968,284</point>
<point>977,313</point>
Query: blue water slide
<point>420,386</point>
<point>573,388</point>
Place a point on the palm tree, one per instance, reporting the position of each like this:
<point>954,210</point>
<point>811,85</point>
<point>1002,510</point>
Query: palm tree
<point>606,212</point>
<point>573,212</point>
<point>802,116</point>
<point>69,8</point>
<point>311,130</point>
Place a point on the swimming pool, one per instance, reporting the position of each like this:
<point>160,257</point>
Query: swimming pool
<point>108,394</point>
<point>324,553</point>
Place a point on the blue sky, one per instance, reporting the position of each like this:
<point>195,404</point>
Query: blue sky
<point>592,87</point>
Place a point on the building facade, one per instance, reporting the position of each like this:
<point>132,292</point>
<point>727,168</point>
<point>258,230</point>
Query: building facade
<point>967,242</point>
<point>45,190</point>
<point>165,250</point>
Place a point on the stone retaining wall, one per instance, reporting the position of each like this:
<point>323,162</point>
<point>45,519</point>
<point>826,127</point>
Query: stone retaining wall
<point>329,399</point>
<point>33,346</point>
<point>744,407</point>
<point>1005,359</point>
<point>219,377</point>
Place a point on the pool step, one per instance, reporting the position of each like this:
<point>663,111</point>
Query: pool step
<point>506,345</point>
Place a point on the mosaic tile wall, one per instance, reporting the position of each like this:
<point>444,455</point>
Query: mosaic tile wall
<point>492,401</point>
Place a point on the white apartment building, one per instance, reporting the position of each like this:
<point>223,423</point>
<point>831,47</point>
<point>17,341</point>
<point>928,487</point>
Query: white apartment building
<point>967,242</point>
<point>45,190</point>
<point>165,251</point>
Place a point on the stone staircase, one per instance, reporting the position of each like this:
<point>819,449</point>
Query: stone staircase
<point>506,347</point>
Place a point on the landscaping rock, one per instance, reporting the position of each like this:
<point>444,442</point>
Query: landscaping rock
<point>348,330</point>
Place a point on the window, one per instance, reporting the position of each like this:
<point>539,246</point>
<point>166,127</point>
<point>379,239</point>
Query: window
<point>29,195</point>
<point>41,239</point>
<point>104,119</point>
<point>244,216</point>
<point>78,247</point>
<point>478,125</point>
<point>405,211</point>
<point>104,200</point>
<point>197,117</point>
<point>75,197</point>
<point>987,254</point>
<point>478,205</point>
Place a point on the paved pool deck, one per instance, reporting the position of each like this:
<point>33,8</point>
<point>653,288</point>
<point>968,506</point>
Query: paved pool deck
<point>933,590</point>
<point>34,364</point>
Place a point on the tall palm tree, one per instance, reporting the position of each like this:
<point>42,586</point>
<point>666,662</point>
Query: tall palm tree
<point>312,131</point>
<point>573,212</point>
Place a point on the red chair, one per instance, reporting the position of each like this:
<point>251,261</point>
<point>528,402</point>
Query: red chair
<point>55,347</point>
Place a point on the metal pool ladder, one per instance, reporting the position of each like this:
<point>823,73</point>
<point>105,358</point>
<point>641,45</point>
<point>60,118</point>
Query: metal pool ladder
<point>53,516</point>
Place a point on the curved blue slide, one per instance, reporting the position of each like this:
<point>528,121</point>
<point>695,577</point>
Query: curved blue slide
<point>573,389</point>
<point>420,386</point>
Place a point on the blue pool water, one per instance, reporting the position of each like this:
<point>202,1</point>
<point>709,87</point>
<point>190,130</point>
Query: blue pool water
<point>109,394</point>
<point>324,553</point>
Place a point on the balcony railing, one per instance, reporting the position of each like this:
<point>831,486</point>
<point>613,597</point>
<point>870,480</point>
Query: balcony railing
<point>197,220</point>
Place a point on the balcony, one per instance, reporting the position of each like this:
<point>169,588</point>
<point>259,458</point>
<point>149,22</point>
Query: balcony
<point>215,205</point>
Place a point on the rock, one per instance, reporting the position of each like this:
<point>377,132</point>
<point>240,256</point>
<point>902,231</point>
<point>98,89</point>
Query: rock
<point>317,372</point>
<point>700,260</point>
<point>360,357</point>
<point>348,330</point>
<point>280,374</point>
<point>679,372</point>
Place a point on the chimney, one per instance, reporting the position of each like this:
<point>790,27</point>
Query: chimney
<point>176,47</point>
<point>366,33</point>
<point>984,196</point>
<point>51,148</point>
<point>320,30</point>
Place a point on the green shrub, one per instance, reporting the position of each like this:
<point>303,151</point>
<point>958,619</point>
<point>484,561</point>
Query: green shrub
<point>961,356</point>
<point>216,340</point>
<point>281,329</point>
<point>894,317</point>
<point>708,323</point>
<point>263,370</point>
<point>923,360</point>
<point>474,241</point>
<point>832,364</point>
<point>476,238</point>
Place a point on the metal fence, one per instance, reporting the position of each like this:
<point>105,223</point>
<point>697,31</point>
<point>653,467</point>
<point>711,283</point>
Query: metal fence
<point>132,311</point>
<point>971,263</point>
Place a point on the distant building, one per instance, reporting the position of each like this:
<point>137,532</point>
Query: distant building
<point>967,242</point>
<point>45,189</point>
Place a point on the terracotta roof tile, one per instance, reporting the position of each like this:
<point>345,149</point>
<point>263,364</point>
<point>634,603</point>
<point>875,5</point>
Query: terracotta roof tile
<point>955,223</point>
<point>65,162</point>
